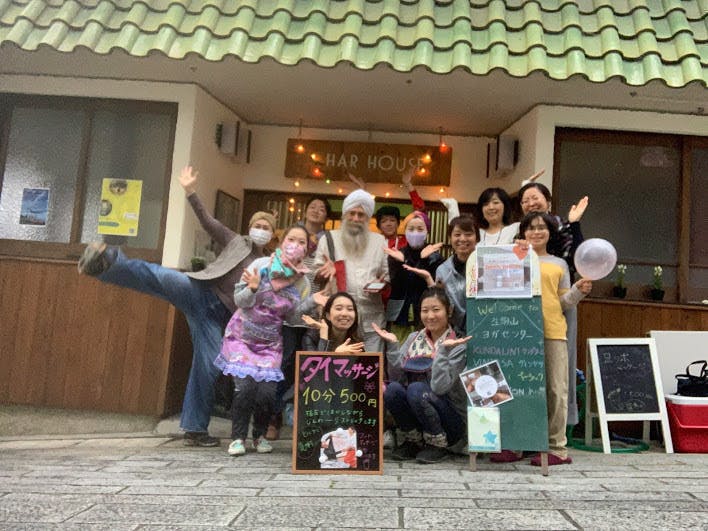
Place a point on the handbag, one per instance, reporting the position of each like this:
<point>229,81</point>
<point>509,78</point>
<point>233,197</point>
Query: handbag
<point>691,384</point>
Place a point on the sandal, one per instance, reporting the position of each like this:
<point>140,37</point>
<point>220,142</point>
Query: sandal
<point>94,261</point>
<point>506,456</point>
<point>552,460</point>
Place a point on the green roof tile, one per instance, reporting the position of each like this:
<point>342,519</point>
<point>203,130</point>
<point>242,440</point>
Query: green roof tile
<point>635,40</point>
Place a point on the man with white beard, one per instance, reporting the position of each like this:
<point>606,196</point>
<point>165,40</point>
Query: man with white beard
<point>362,253</point>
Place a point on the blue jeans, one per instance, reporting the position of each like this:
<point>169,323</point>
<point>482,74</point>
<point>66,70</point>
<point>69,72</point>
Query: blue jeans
<point>416,407</point>
<point>206,316</point>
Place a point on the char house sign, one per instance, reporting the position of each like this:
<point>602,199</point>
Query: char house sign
<point>330,160</point>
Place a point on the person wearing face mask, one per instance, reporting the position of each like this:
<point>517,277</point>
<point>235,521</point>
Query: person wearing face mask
<point>273,290</point>
<point>403,308</point>
<point>205,297</point>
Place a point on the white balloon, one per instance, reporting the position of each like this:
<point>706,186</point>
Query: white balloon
<point>595,258</point>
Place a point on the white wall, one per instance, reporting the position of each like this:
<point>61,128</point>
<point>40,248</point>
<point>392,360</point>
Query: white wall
<point>536,131</point>
<point>469,162</point>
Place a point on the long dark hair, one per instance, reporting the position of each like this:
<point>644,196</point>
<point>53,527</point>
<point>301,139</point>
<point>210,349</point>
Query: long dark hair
<point>353,331</point>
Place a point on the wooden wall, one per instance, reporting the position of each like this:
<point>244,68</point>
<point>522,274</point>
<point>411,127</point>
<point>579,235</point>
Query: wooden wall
<point>620,318</point>
<point>73,342</point>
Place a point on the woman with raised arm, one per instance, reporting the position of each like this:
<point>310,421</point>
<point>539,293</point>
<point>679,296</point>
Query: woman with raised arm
<point>205,297</point>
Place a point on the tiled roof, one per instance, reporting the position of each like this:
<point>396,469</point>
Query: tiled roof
<point>635,40</point>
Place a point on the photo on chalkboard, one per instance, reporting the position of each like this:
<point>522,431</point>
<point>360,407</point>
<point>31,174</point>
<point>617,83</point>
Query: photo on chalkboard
<point>486,385</point>
<point>501,272</point>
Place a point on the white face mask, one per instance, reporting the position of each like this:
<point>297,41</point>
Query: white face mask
<point>416,239</point>
<point>259,236</point>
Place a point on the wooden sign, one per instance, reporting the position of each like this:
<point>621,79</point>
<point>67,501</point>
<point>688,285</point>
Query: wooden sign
<point>338,413</point>
<point>371,162</point>
<point>627,384</point>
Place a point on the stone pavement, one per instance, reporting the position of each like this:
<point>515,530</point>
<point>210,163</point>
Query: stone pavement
<point>154,482</point>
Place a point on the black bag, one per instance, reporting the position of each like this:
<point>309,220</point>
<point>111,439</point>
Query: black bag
<point>691,385</point>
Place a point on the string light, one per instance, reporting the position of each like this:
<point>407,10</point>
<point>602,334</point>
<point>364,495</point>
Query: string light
<point>443,146</point>
<point>426,158</point>
<point>442,190</point>
<point>297,184</point>
<point>291,200</point>
<point>300,148</point>
<point>339,190</point>
<point>388,194</point>
<point>328,181</point>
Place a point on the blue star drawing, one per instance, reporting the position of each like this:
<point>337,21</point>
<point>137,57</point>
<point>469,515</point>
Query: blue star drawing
<point>490,437</point>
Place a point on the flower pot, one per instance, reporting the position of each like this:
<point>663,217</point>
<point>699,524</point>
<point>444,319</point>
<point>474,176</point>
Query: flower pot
<point>657,294</point>
<point>619,292</point>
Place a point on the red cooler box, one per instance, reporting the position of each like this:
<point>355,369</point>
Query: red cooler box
<point>688,417</point>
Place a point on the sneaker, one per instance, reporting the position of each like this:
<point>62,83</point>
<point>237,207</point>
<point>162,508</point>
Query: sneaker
<point>200,438</point>
<point>552,460</point>
<point>506,456</point>
<point>236,447</point>
<point>389,439</point>
<point>432,454</point>
<point>262,446</point>
<point>407,451</point>
<point>93,261</point>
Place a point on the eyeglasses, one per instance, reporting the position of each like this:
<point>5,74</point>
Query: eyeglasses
<point>536,228</point>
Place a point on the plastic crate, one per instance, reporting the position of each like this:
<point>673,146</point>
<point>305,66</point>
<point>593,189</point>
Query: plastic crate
<point>688,418</point>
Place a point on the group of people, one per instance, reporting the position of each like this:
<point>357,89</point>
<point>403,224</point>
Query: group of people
<point>354,290</point>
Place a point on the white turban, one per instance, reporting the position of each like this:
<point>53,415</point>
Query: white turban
<point>359,198</point>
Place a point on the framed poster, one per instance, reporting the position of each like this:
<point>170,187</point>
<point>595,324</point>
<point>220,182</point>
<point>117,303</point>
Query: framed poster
<point>338,422</point>
<point>227,210</point>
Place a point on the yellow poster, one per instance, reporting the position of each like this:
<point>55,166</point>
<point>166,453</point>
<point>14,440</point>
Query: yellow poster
<point>120,207</point>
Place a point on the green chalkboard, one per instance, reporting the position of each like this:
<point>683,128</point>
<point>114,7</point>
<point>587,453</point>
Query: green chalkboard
<point>511,331</point>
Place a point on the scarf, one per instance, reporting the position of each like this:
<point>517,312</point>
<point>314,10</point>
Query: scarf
<point>282,272</point>
<point>420,355</point>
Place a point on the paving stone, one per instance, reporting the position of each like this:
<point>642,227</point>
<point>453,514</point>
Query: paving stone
<point>600,495</point>
<point>484,519</point>
<point>639,520</point>
<point>66,527</point>
<point>159,514</point>
<point>164,490</point>
<point>12,510</point>
<point>136,442</point>
<point>36,445</point>
<point>378,517</point>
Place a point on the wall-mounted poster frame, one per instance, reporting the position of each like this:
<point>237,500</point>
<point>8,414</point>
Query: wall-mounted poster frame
<point>227,210</point>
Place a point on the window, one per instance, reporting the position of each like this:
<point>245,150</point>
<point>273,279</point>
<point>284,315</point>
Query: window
<point>54,156</point>
<point>647,197</point>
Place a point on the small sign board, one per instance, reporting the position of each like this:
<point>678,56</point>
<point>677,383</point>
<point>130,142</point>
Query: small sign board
<point>627,384</point>
<point>338,422</point>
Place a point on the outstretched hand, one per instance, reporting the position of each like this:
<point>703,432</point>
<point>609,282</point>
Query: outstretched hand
<point>536,175</point>
<point>326,270</point>
<point>449,343</point>
<point>314,323</point>
<point>387,336</point>
<point>576,211</point>
<point>321,297</point>
<point>407,178</point>
<point>423,273</point>
<point>430,249</point>
<point>251,278</point>
<point>394,253</point>
<point>353,178</point>
<point>348,346</point>
<point>188,180</point>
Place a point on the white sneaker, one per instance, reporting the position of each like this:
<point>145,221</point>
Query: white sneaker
<point>388,439</point>
<point>236,447</point>
<point>262,446</point>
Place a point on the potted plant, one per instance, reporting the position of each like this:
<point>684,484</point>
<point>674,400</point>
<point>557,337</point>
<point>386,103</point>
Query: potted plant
<point>620,290</point>
<point>657,287</point>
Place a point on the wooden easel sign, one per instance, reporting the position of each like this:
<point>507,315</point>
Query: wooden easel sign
<point>337,427</point>
<point>627,385</point>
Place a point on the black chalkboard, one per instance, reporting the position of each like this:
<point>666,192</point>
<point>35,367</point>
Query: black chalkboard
<point>338,413</point>
<point>511,331</point>
<point>627,377</point>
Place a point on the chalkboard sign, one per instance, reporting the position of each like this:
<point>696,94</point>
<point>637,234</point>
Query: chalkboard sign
<point>338,413</point>
<point>624,378</point>
<point>511,331</point>
<point>627,376</point>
